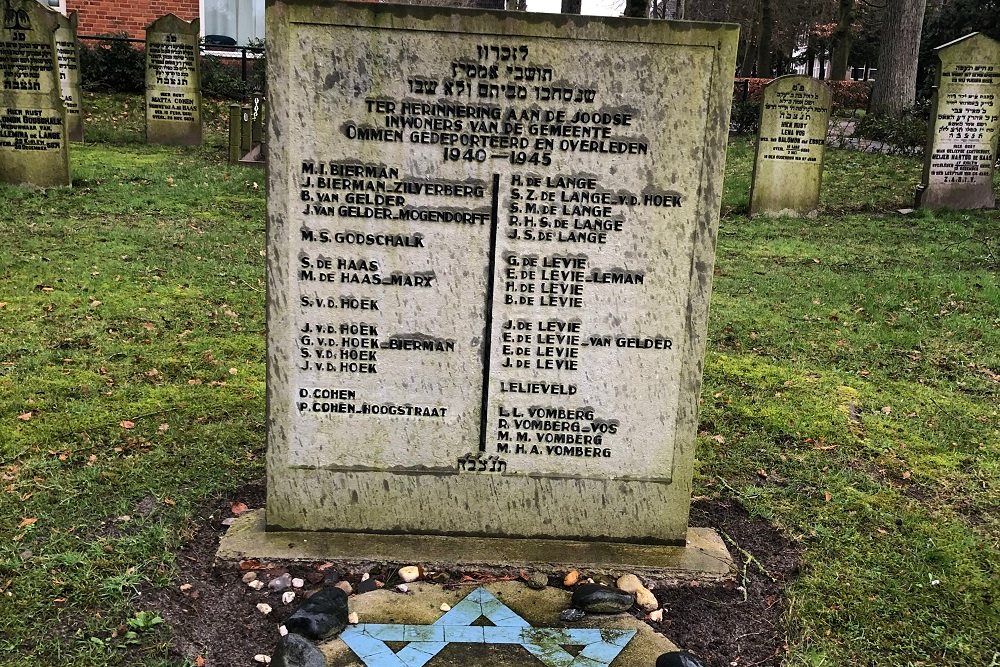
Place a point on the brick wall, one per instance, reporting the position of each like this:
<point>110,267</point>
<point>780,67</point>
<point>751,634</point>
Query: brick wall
<point>98,17</point>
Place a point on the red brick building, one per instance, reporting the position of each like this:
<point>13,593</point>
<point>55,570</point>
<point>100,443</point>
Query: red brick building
<point>240,20</point>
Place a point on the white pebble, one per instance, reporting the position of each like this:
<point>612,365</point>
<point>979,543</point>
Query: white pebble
<point>352,618</point>
<point>282,630</point>
<point>287,597</point>
<point>263,659</point>
<point>409,573</point>
<point>298,583</point>
<point>365,576</point>
<point>403,588</point>
<point>656,615</point>
<point>264,608</point>
<point>249,576</point>
<point>445,606</point>
<point>256,584</point>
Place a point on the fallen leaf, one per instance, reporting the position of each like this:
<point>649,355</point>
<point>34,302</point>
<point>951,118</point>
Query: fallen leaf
<point>27,521</point>
<point>26,416</point>
<point>199,661</point>
<point>721,439</point>
<point>149,326</point>
<point>169,501</point>
<point>152,373</point>
<point>95,303</point>
<point>233,371</point>
<point>126,424</point>
<point>238,508</point>
<point>906,475</point>
<point>887,410</point>
<point>827,496</point>
<point>163,428</point>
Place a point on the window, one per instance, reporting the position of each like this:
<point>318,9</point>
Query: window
<point>240,20</point>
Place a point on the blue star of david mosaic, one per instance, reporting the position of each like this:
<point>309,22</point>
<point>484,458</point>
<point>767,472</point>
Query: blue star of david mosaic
<point>367,640</point>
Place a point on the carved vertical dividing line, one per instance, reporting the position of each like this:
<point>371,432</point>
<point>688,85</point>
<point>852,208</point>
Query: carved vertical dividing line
<point>488,327</point>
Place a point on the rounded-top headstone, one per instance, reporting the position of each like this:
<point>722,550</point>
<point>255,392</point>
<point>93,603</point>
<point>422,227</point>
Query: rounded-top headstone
<point>68,54</point>
<point>788,167</point>
<point>33,145</point>
<point>962,147</point>
<point>173,82</point>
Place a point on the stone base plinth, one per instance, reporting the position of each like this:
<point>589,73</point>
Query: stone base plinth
<point>704,558</point>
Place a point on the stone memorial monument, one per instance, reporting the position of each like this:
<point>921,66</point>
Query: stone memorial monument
<point>68,54</point>
<point>173,82</point>
<point>961,152</point>
<point>33,145</point>
<point>490,250</point>
<point>788,168</point>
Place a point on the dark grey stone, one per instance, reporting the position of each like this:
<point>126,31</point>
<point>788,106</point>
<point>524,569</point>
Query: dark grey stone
<point>538,581</point>
<point>322,616</point>
<point>572,615</point>
<point>597,599</point>
<point>297,651</point>
<point>366,586</point>
<point>678,659</point>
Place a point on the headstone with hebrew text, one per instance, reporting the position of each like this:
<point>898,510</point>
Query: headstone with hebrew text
<point>68,54</point>
<point>961,153</point>
<point>173,82</point>
<point>33,145</point>
<point>788,168</point>
<point>490,249</point>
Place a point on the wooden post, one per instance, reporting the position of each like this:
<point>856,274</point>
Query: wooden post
<point>235,132</point>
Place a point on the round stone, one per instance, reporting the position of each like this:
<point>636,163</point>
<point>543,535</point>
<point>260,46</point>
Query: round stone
<point>597,599</point>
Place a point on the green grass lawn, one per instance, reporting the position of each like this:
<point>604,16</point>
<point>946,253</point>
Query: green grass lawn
<point>852,397</point>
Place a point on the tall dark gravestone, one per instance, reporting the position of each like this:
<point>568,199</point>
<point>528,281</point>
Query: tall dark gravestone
<point>68,54</point>
<point>33,144</point>
<point>961,153</point>
<point>490,250</point>
<point>173,82</point>
<point>788,166</point>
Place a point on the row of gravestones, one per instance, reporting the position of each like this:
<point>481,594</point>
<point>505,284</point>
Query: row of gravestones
<point>40,90</point>
<point>961,148</point>
<point>247,144</point>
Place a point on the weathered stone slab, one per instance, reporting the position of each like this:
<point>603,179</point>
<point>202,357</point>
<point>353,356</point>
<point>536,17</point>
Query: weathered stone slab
<point>68,55</point>
<point>501,625</point>
<point>961,151</point>
<point>703,556</point>
<point>788,168</point>
<point>173,82</point>
<point>33,144</point>
<point>489,267</point>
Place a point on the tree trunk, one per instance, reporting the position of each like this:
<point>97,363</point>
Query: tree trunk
<point>841,57</point>
<point>679,12</point>
<point>895,85</point>
<point>764,42</point>
<point>637,9</point>
<point>571,6</point>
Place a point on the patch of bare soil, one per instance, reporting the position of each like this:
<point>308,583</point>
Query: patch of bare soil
<point>213,614</point>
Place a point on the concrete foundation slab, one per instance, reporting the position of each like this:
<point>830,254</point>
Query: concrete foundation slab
<point>705,556</point>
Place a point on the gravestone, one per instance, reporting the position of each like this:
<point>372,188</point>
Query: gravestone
<point>33,145</point>
<point>961,150</point>
<point>173,82</point>
<point>68,54</point>
<point>788,167</point>
<point>490,252</point>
